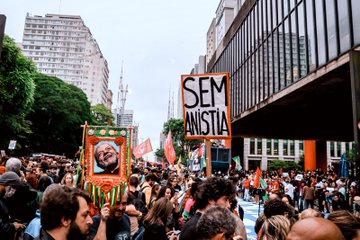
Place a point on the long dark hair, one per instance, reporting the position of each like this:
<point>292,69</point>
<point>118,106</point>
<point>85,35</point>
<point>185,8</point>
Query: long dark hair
<point>160,212</point>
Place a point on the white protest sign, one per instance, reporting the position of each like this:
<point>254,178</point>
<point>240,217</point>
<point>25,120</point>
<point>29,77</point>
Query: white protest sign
<point>12,144</point>
<point>206,105</point>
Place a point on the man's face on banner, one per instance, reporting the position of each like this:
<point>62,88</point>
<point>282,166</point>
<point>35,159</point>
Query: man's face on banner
<point>106,156</point>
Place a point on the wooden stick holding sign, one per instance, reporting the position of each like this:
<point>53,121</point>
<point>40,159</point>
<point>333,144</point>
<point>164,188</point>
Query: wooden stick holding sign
<point>206,108</point>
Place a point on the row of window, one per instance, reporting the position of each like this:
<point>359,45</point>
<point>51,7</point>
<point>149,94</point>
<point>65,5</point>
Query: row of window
<point>272,147</point>
<point>281,41</point>
<point>56,36</point>
<point>74,50</point>
<point>55,32</point>
<point>41,22</point>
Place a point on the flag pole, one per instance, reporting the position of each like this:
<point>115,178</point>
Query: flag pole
<point>208,157</point>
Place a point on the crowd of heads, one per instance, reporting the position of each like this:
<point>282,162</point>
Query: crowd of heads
<point>202,208</point>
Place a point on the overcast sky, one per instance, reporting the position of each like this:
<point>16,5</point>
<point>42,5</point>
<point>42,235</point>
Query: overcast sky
<point>157,40</point>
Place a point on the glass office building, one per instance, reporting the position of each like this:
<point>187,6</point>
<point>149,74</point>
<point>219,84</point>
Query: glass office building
<point>273,44</point>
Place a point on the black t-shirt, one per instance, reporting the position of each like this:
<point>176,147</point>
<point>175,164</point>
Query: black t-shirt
<point>189,230</point>
<point>115,230</point>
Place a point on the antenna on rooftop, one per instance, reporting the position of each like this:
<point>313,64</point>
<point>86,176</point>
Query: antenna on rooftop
<point>60,6</point>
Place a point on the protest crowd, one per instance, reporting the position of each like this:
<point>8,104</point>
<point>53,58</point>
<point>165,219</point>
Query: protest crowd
<point>42,199</point>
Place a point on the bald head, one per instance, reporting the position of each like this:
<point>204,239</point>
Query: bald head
<point>315,229</point>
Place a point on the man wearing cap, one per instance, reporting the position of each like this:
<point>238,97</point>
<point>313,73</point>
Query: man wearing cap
<point>7,228</point>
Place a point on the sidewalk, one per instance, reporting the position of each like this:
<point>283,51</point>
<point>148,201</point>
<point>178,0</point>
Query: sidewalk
<point>251,210</point>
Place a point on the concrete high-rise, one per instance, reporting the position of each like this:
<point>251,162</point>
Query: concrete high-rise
<point>63,46</point>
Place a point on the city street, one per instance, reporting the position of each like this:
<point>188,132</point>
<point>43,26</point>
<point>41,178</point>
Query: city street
<point>250,215</point>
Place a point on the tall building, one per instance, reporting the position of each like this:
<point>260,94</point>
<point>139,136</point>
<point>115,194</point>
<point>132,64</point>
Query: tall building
<point>62,46</point>
<point>271,46</point>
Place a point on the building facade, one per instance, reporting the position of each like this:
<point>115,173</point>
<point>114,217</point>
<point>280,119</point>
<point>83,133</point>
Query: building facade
<point>272,44</point>
<point>62,46</point>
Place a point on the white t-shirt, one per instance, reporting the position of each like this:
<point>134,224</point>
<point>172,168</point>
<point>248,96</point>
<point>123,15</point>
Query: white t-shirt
<point>289,190</point>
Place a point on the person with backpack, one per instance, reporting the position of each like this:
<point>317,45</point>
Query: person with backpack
<point>150,179</point>
<point>136,208</point>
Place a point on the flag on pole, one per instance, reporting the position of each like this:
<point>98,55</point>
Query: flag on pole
<point>142,148</point>
<point>169,149</point>
<point>258,174</point>
<point>237,163</point>
<point>162,163</point>
<point>263,183</point>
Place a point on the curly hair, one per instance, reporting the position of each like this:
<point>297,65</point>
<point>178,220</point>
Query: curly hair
<point>275,228</point>
<point>215,220</point>
<point>212,189</point>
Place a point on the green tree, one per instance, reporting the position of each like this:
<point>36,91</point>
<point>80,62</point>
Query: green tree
<point>159,153</point>
<point>16,92</point>
<point>57,115</point>
<point>101,115</point>
<point>182,146</point>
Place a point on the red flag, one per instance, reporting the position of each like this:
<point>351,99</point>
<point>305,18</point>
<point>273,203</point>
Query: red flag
<point>169,149</point>
<point>162,163</point>
<point>142,148</point>
<point>258,174</point>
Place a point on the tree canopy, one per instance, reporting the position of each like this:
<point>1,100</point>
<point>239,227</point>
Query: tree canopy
<point>182,146</point>
<point>101,115</point>
<point>58,112</point>
<point>17,89</point>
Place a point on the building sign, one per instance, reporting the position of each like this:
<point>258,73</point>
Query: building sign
<point>206,105</point>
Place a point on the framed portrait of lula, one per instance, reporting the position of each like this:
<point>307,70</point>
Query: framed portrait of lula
<point>106,153</point>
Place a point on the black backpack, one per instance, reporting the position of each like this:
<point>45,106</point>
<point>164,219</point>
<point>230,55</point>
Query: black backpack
<point>137,201</point>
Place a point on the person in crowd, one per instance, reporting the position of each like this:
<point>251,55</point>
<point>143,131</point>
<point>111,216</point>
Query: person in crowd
<point>166,191</point>
<point>106,158</point>
<point>277,207</point>
<point>301,196</point>
<point>310,213</point>
<point>13,165</point>
<point>8,229</point>
<point>213,191</point>
<point>53,173</point>
<point>246,186</point>
<point>68,180</point>
<point>150,179</point>
<point>64,214</point>
<point>154,193</point>
<point>135,208</point>
<point>327,201</point>
<point>112,222</point>
<point>216,222</point>
<point>156,221</point>
<point>315,229</point>
<point>289,189</point>
<point>31,179</point>
<point>20,200</point>
<point>276,227</point>
<point>347,222</point>
<point>173,183</point>
<point>80,226</point>
<point>309,195</point>
<point>338,203</point>
<point>287,199</point>
<point>187,210</point>
<point>172,195</point>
